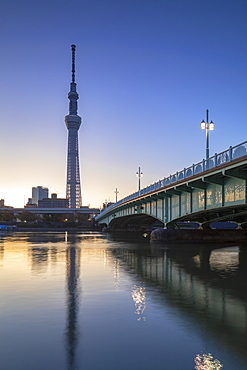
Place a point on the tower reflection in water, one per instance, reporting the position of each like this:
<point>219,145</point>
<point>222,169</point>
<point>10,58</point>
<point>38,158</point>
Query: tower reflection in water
<point>73,254</point>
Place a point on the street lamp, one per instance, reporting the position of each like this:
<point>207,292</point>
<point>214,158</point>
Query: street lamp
<point>116,192</point>
<point>139,174</point>
<point>207,126</point>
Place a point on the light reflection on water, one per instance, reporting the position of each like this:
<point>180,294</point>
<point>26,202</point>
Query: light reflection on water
<point>207,362</point>
<point>91,301</point>
<point>139,297</point>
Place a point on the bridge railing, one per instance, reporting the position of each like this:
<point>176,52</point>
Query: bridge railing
<point>212,162</point>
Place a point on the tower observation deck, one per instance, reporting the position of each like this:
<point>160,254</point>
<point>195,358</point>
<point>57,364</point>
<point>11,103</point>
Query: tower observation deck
<point>73,122</point>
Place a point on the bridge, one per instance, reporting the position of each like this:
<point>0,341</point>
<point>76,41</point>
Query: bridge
<point>50,211</point>
<point>213,190</point>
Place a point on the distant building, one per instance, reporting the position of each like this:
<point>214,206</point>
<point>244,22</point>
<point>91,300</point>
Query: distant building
<point>39,193</point>
<point>53,202</point>
<point>30,204</point>
<point>2,204</point>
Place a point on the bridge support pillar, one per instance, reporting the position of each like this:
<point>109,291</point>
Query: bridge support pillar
<point>242,256</point>
<point>205,226</point>
<point>204,255</point>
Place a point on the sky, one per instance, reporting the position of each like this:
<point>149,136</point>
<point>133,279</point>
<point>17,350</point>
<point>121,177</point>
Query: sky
<point>146,71</point>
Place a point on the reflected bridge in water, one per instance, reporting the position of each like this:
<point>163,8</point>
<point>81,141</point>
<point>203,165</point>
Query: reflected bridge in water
<point>210,291</point>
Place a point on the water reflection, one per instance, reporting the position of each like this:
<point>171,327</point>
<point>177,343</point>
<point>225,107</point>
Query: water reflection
<point>116,273</point>
<point>139,297</point>
<point>39,259</point>
<point>73,254</point>
<point>208,285</point>
<point>43,251</point>
<point>207,362</point>
<point>54,255</point>
<point>43,238</point>
<point>199,288</point>
<point>1,252</point>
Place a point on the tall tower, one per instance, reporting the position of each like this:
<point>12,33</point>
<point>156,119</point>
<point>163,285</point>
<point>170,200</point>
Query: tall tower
<point>73,123</point>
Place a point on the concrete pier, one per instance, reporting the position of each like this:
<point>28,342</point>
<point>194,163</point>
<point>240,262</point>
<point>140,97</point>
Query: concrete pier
<point>198,235</point>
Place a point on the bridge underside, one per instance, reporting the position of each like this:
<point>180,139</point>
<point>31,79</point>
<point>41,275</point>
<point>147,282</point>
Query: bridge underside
<point>135,222</point>
<point>205,218</point>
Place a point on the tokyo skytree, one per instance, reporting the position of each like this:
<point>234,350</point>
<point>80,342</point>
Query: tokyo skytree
<point>73,123</point>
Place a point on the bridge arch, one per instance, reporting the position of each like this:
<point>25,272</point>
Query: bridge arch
<point>139,221</point>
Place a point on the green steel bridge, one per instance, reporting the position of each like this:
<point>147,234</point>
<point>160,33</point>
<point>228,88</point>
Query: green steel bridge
<point>213,190</point>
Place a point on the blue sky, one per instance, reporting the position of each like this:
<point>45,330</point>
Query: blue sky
<point>146,71</point>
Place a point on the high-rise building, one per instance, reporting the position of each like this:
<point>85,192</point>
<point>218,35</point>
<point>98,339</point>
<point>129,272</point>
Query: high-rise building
<point>73,122</point>
<point>39,193</point>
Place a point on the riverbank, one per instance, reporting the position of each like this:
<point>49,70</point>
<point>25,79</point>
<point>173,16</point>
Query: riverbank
<point>49,229</point>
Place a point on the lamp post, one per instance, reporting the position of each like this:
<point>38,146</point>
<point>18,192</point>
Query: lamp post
<point>207,126</point>
<point>139,174</point>
<point>116,192</point>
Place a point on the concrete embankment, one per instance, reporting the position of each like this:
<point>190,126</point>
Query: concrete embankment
<point>57,229</point>
<point>198,235</point>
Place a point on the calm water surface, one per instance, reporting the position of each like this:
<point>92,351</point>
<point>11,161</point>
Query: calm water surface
<point>94,302</point>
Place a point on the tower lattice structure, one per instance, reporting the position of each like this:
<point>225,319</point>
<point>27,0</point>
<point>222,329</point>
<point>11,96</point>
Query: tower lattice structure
<point>73,123</point>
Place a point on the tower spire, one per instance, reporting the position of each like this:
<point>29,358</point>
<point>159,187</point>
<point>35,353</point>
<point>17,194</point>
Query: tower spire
<point>73,96</point>
<point>73,47</point>
<point>73,122</point>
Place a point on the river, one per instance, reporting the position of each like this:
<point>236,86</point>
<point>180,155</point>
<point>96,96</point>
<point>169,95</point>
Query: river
<point>94,301</point>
